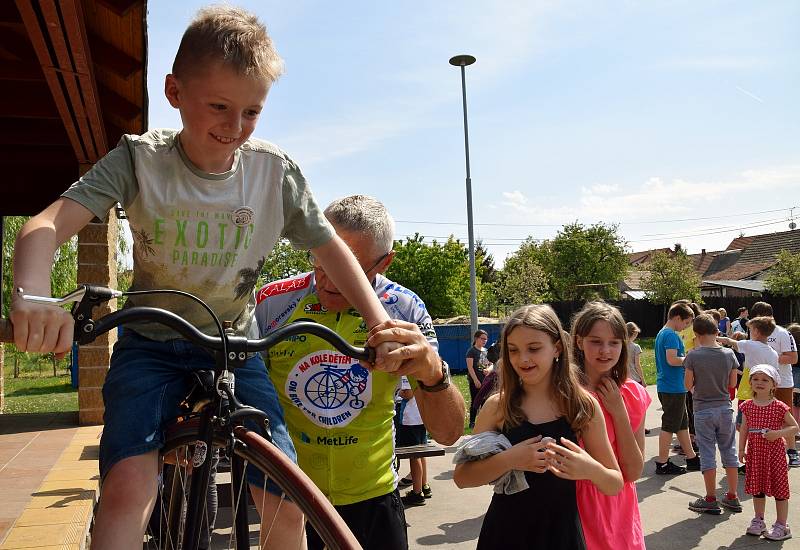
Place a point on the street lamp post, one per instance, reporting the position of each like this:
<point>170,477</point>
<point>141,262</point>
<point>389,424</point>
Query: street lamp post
<point>462,61</point>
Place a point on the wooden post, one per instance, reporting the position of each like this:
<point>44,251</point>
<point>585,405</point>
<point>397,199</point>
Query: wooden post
<point>97,264</point>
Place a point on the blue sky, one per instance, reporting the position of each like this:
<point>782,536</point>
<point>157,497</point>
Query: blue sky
<point>637,113</point>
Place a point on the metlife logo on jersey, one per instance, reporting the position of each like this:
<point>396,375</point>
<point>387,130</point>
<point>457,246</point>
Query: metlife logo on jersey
<point>329,387</point>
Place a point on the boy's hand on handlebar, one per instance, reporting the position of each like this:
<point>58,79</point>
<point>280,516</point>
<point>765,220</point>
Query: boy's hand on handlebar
<point>41,328</point>
<point>415,354</point>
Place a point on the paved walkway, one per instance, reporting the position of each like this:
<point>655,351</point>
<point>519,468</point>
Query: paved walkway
<point>453,517</point>
<point>48,480</point>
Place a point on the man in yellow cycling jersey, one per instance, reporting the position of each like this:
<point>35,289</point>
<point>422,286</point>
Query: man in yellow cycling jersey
<point>338,413</point>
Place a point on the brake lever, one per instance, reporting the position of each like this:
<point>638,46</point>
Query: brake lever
<point>82,310</point>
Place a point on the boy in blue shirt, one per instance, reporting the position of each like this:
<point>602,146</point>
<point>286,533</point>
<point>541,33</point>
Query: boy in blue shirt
<point>206,205</point>
<point>669,354</point>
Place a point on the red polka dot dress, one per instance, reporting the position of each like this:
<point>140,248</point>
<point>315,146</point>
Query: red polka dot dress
<point>767,471</point>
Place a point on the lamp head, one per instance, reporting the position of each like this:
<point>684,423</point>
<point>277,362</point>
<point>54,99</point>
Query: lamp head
<point>462,60</point>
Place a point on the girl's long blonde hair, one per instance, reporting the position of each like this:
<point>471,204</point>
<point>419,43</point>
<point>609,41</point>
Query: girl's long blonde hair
<point>582,324</point>
<point>571,400</point>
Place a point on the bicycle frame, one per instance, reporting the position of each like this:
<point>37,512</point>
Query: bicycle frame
<point>223,413</point>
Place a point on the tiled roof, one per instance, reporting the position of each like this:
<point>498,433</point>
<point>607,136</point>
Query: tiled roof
<point>633,280</point>
<point>739,271</point>
<point>702,261</point>
<point>644,256</point>
<point>766,247</point>
<point>721,261</point>
<point>739,242</point>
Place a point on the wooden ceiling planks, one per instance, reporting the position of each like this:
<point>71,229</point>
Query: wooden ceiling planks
<point>40,46</point>
<point>72,81</point>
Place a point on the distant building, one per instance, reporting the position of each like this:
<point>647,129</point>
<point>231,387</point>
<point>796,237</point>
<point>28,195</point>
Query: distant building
<point>739,270</point>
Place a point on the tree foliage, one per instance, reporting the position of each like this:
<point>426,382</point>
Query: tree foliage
<point>669,278</point>
<point>484,263</point>
<point>437,272</point>
<point>284,261</point>
<point>65,262</point>
<point>784,277</point>
<point>584,262</point>
<point>523,280</point>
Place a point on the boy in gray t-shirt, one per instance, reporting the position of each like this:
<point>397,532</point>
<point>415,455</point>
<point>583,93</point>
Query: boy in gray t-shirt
<point>710,372</point>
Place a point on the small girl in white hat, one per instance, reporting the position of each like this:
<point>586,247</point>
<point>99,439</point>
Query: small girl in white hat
<point>766,424</point>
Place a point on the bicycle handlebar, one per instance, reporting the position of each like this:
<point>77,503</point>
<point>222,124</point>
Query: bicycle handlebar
<point>93,329</point>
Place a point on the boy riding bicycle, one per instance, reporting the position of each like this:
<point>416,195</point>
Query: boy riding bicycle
<point>206,204</point>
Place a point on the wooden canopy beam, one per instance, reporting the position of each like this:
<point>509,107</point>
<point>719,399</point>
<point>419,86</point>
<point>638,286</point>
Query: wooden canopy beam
<point>59,28</point>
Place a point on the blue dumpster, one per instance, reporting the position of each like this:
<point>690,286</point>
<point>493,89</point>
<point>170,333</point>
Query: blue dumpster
<point>455,340</point>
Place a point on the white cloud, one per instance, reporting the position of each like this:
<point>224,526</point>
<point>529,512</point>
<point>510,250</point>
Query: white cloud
<point>656,198</point>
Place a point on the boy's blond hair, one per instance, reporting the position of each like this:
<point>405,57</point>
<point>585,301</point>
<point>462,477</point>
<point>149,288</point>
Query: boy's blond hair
<point>231,35</point>
<point>764,325</point>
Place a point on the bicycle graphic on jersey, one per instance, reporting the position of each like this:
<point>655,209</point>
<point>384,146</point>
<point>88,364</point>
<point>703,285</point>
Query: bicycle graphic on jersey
<point>332,387</point>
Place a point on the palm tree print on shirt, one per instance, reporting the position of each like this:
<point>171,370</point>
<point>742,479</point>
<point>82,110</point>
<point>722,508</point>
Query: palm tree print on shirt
<point>249,278</point>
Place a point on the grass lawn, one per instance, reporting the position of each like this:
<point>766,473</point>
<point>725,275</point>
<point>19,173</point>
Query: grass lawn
<point>34,395</point>
<point>648,359</point>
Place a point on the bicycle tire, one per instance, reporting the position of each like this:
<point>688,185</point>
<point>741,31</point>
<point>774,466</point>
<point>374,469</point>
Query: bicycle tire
<point>275,466</point>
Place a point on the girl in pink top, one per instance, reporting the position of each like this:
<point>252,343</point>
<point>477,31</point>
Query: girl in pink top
<point>598,338</point>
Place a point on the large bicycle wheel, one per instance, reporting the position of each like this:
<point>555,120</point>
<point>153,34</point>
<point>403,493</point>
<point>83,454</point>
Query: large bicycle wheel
<point>166,527</point>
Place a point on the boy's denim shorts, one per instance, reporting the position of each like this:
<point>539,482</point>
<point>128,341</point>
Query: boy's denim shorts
<point>148,380</point>
<point>716,428</point>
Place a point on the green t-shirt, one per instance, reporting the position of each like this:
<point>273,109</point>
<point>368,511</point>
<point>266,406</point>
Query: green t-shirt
<point>339,414</point>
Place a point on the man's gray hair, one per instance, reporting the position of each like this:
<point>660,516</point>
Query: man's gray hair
<point>363,214</point>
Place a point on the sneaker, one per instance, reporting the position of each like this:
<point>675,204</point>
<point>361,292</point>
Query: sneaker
<point>426,491</point>
<point>794,458</point>
<point>669,469</point>
<point>731,504</point>
<point>705,507</point>
<point>413,499</point>
<point>693,464</point>
<point>757,527</point>
<point>779,531</point>
<point>405,482</point>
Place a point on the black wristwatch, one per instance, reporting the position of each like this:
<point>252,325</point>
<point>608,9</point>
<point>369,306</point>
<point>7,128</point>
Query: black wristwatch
<point>441,385</point>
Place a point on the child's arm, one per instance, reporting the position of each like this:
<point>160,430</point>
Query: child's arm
<point>637,363</point>
<point>630,445</point>
<point>789,429</point>
<point>733,377</point>
<point>596,464</point>
<point>688,379</point>
<point>673,359</point>
<point>728,342</point>
<point>526,455</point>
<point>473,378</point>
<point>343,269</point>
<point>743,438</point>
<point>42,328</point>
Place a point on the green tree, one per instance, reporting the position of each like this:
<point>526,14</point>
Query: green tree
<point>671,277</point>
<point>484,263</point>
<point>783,278</point>
<point>584,262</point>
<point>437,272</point>
<point>284,261</point>
<point>65,262</point>
<point>522,279</point>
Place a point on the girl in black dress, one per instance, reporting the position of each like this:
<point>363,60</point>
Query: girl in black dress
<point>540,396</point>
